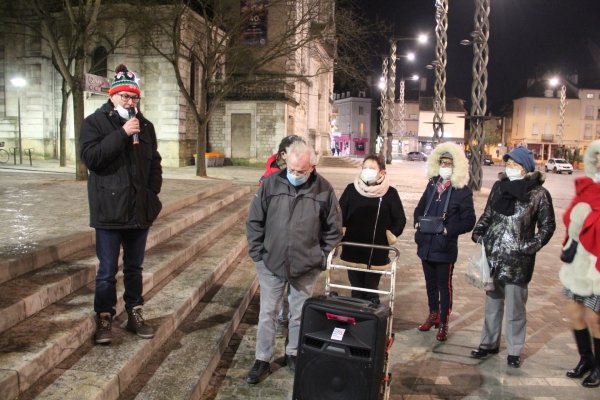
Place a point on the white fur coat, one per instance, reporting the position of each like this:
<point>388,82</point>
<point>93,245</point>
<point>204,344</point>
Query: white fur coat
<point>581,275</point>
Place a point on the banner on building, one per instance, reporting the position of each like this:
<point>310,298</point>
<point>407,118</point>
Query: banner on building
<point>96,84</point>
<point>256,13</point>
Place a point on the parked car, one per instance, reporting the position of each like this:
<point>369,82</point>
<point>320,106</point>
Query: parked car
<point>416,156</point>
<point>559,165</point>
<point>488,161</point>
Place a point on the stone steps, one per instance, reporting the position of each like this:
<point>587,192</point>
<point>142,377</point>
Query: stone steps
<point>26,295</point>
<point>33,347</point>
<point>341,162</point>
<point>63,247</point>
<point>104,372</point>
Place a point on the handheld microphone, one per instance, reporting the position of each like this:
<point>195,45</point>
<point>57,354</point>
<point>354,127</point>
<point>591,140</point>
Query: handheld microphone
<point>135,135</point>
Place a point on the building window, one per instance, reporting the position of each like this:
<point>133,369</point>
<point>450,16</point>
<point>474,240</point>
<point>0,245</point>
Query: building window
<point>587,133</point>
<point>361,128</point>
<point>517,112</point>
<point>361,111</point>
<point>597,131</point>
<point>547,129</point>
<point>599,113</point>
<point>99,62</point>
<point>589,112</point>
<point>548,111</point>
<point>589,95</point>
<point>536,129</point>
<point>536,110</point>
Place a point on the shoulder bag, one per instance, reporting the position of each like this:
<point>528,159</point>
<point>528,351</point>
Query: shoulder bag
<point>434,225</point>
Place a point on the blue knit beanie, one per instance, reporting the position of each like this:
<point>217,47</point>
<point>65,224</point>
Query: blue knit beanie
<point>523,156</point>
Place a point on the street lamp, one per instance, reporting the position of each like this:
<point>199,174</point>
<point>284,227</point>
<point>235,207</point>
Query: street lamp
<point>19,82</point>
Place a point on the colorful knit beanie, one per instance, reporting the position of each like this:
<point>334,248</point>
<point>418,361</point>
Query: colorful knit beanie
<point>125,81</point>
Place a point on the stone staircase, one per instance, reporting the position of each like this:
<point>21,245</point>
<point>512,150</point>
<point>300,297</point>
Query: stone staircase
<point>197,246</point>
<point>339,161</point>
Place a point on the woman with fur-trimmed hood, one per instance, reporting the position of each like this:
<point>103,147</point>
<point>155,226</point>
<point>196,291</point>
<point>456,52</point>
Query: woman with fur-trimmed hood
<point>581,276</point>
<point>448,172</point>
<point>517,204</point>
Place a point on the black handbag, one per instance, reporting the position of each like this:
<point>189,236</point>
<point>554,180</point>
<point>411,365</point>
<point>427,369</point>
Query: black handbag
<point>434,225</point>
<point>567,255</point>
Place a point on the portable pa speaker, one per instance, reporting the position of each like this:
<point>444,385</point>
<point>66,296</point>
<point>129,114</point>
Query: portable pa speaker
<point>341,349</point>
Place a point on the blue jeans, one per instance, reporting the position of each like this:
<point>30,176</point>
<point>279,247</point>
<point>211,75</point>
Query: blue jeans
<point>108,244</point>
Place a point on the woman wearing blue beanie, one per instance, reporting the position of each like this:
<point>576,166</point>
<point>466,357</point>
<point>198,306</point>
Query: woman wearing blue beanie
<point>517,203</point>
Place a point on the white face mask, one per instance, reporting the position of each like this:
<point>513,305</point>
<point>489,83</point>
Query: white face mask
<point>446,173</point>
<point>597,177</point>
<point>514,174</point>
<point>368,175</point>
<point>123,112</point>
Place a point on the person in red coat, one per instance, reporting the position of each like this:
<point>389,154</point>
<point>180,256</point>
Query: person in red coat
<point>276,162</point>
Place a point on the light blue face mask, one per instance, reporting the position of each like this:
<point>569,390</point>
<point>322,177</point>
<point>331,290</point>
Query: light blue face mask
<point>296,180</point>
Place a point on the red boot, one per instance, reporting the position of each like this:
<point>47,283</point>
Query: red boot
<point>433,320</point>
<point>442,332</point>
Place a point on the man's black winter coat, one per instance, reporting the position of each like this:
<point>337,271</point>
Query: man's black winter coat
<point>125,179</point>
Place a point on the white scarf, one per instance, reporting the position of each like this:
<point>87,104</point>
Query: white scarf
<point>379,189</point>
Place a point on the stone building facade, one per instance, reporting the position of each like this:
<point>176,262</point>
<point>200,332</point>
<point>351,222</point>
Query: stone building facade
<point>243,128</point>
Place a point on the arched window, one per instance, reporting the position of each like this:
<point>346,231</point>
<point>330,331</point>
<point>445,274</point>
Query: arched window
<point>99,62</point>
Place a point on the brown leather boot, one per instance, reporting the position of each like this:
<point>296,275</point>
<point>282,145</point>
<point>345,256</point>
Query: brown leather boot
<point>432,320</point>
<point>442,332</point>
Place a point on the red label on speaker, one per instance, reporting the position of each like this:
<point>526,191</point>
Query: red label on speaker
<point>341,318</point>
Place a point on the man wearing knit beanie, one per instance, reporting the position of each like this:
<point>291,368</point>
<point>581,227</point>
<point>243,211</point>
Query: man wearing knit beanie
<point>118,145</point>
<point>523,156</point>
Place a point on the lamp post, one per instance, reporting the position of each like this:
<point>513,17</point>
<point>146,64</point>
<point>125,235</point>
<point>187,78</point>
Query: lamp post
<point>401,105</point>
<point>19,82</point>
<point>478,97</point>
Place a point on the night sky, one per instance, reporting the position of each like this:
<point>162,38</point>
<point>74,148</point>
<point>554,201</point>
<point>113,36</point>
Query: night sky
<point>527,37</point>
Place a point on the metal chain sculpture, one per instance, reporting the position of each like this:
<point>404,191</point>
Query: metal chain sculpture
<point>383,109</point>
<point>561,115</point>
<point>439,104</point>
<point>401,109</point>
<point>390,99</point>
<point>478,96</point>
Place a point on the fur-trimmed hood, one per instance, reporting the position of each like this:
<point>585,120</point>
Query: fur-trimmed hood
<point>590,160</point>
<point>535,175</point>
<point>460,175</point>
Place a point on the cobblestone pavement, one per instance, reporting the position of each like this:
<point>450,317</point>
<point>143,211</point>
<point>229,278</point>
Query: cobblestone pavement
<point>45,202</point>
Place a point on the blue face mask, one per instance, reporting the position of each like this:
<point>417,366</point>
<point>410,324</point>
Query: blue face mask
<point>296,180</point>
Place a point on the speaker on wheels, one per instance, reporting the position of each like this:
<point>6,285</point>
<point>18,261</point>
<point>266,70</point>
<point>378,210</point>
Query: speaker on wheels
<point>341,349</point>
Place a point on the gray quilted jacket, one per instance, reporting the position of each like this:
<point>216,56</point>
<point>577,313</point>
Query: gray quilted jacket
<point>511,242</point>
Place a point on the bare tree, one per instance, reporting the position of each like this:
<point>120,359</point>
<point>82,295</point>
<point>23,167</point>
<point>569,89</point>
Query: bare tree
<point>68,27</point>
<point>213,34</point>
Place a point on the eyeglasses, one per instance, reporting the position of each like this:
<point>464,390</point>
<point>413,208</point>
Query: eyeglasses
<point>126,98</point>
<point>446,164</point>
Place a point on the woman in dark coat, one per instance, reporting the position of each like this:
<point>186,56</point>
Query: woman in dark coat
<point>517,203</point>
<point>581,276</point>
<point>372,213</point>
<point>448,172</point>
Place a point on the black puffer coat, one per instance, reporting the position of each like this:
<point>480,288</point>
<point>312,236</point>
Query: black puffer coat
<point>511,242</point>
<point>125,179</point>
<point>460,219</point>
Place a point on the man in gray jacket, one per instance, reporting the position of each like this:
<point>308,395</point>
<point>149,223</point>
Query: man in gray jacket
<point>293,224</point>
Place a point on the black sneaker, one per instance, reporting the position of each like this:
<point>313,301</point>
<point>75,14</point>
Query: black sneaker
<point>258,371</point>
<point>514,361</point>
<point>103,333</point>
<point>136,323</point>
<point>291,362</point>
